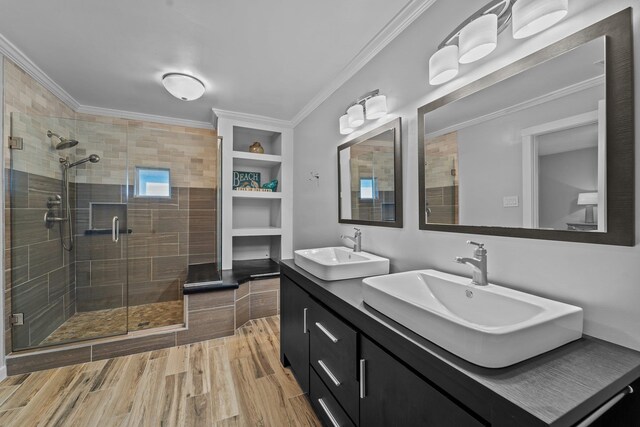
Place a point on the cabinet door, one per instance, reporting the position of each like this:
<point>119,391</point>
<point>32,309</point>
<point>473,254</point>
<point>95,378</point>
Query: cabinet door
<point>394,396</point>
<point>294,334</point>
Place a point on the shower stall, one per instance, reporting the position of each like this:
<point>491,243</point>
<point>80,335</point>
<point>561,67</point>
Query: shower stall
<point>102,216</point>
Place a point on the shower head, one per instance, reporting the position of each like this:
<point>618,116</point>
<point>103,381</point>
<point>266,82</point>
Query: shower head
<point>64,142</point>
<point>94,158</point>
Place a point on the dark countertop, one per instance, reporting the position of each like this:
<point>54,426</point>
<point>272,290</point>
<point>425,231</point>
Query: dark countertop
<point>557,388</point>
<point>207,278</point>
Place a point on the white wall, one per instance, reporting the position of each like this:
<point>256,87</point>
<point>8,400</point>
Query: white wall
<point>604,280</point>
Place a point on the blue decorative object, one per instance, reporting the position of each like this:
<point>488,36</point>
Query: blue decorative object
<point>271,185</point>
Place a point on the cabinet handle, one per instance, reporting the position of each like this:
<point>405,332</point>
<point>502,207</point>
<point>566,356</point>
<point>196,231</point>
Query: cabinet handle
<point>304,320</point>
<point>329,373</point>
<point>326,332</point>
<point>363,389</point>
<point>328,412</point>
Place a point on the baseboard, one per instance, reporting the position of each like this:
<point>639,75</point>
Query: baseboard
<point>3,372</point>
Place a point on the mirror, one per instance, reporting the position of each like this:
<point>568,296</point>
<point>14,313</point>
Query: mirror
<point>530,150</point>
<point>370,178</point>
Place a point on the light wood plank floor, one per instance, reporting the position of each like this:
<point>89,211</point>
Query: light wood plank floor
<point>232,381</point>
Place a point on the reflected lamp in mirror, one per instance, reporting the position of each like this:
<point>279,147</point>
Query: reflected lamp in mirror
<point>477,36</point>
<point>371,106</point>
<point>370,178</point>
<point>510,153</point>
<point>589,200</point>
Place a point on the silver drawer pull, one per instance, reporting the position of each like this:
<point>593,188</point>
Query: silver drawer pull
<point>326,332</point>
<point>304,320</point>
<point>328,412</point>
<point>329,373</point>
<point>363,389</point>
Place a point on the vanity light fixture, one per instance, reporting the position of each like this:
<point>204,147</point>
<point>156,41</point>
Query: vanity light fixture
<point>533,16</point>
<point>477,36</point>
<point>183,86</point>
<point>371,106</point>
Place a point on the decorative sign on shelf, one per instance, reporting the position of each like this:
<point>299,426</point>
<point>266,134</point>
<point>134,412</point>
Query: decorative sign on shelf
<point>245,180</point>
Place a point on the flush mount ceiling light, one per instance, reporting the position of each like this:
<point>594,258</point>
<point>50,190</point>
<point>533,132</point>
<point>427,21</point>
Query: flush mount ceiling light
<point>477,36</point>
<point>183,86</point>
<point>371,105</point>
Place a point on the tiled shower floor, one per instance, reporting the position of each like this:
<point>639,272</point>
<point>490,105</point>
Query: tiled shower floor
<point>102,323</point>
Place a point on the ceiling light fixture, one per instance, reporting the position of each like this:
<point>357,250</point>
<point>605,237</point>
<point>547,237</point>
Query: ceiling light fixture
<point>183,86</point>
<point>371,105</point>
<point>477,36</point>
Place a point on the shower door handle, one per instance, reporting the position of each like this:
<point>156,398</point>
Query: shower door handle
<point>115,229</point>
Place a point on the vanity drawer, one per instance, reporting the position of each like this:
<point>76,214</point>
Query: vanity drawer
<point>333,354</point>
<point>325,405</point>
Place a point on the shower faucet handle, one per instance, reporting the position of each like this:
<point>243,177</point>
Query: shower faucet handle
<point>54,201</point>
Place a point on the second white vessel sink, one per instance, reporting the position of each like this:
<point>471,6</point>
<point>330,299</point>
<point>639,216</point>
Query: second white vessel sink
<point>339,263</point>
<point>490,326</point>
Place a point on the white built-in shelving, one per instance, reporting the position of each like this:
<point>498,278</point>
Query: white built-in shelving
<point>256,224</point>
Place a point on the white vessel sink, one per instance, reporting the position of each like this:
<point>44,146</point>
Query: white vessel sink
<point>338,263</point>
<point>490,326</point>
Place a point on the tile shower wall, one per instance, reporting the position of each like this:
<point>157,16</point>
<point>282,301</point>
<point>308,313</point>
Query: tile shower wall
<point>43,276</point>
<point>441,178</point>
<point>167,234</point>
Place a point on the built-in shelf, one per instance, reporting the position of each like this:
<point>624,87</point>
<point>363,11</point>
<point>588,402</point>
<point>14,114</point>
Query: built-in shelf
<point>257,231</point>
<point>256,194</point>
<point>256,224</point>
<point>255,159</point>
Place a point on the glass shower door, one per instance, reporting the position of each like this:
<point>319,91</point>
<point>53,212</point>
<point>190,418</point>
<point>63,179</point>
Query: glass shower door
<point>67,216</point>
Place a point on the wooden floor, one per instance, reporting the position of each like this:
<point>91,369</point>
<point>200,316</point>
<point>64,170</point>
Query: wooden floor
<point>105,323</point>
<point>232,381</point>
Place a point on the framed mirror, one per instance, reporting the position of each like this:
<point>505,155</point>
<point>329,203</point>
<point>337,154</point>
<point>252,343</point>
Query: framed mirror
<point>543,148</point>
<point>370,178</point>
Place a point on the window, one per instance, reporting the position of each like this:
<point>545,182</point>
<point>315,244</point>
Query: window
<point>368,189</point>
<point>152,182</point>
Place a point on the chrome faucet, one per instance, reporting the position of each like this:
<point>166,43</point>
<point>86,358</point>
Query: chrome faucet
<point>356,239</point>
<point>478,263</point>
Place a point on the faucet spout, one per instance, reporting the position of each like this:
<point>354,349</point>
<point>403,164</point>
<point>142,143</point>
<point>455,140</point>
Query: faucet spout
<point>356,239</point>
<point>478,264</point>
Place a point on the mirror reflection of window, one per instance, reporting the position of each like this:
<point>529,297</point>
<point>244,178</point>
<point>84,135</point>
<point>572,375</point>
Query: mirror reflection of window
<point>368,189</point>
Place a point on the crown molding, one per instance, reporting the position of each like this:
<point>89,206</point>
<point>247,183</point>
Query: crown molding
<point>251,118</point>
<point>398,23</point>
<point>12,52</point>
<point>132,115</point>
<point>547,97</point>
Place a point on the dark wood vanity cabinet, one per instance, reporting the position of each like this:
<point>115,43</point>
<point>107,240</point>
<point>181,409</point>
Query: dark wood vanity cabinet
<point>392,395</point>
<point>329,359</point>
<point>294,333</point>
